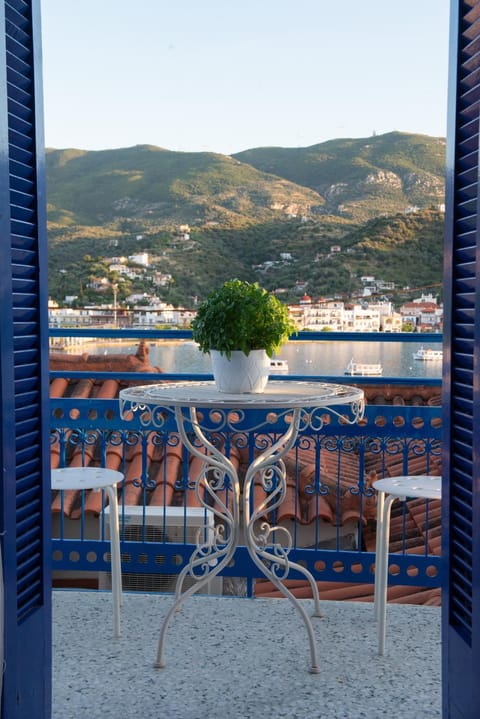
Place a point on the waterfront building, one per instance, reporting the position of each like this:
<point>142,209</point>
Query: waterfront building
<point>426,313</point>
<point>391,322</point>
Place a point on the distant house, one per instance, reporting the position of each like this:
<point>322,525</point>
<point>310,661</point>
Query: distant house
<point>140,259</point>
<point>126,271</point>
<point>425,298</point>
<point>426,314</point>
<point>382,285</point>
<point>161,279</point>
<point>391,323</point>
<point>99,284</point>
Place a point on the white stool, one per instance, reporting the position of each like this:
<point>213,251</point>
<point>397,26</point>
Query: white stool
<point>389,489</point>
<point>98,478</point>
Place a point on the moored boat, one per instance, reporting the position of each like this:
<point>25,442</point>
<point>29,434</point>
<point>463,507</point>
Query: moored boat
<point>428,355</point>
<point>363,369</point>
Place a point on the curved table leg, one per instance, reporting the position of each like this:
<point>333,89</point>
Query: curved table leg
<point>270,466</point>
<point>212,555</point>
<point>182,597</point>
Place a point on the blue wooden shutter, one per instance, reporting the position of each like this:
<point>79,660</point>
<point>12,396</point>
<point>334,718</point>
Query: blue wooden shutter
<point>461,399</point>
<point>24,451</point>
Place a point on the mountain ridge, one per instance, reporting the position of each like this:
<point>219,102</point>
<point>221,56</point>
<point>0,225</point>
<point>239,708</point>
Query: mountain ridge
<point>241,214</point>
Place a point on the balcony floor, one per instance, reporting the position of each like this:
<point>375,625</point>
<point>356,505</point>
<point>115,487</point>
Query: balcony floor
<point>223,660</point>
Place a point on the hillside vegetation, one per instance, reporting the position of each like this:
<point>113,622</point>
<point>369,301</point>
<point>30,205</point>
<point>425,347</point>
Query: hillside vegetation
<point>361,178</point>
<point>146,182</point>
<point>270,214</point>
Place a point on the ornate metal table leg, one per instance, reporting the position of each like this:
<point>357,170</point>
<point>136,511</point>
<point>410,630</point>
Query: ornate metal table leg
<point>270,555</point>
<point>217,549</point>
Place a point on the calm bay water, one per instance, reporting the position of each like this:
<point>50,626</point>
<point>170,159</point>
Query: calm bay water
<point>304,358</point>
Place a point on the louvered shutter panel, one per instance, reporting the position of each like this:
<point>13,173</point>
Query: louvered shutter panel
<point>25,488</point>
<point>461,399</point>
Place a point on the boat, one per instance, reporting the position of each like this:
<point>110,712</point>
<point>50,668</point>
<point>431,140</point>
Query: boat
<point>428,355</point>
<point>363,369</point>
<point>278,365</point>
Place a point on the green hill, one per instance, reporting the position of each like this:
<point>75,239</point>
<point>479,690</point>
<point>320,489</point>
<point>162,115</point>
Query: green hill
<point>362,178</point>
<point>145,182</point>
<point>377,198</point>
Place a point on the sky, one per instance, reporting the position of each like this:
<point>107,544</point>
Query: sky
<point>229,75</point>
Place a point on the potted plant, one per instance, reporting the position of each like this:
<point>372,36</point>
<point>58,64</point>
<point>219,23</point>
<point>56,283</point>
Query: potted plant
<point>241,325</point>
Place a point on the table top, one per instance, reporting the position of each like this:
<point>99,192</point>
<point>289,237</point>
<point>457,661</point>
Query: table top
<point>276,394</point>
<point>422,486</point>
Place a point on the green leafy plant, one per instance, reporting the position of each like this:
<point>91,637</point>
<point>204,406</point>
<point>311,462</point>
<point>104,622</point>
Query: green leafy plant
<point>241,316</point>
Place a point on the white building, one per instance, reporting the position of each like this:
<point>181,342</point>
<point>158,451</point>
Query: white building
<point>334,316</point>
<point>140,259</point>
<point>425,298</point>
<point>321,316</point>
<point>161,313</point>
<point>358,318</point>
<point>385,308</point>
<point>126,271</point>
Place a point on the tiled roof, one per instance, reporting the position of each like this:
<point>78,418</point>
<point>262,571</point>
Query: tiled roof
<point>302,503</point>
<point>410,525</point>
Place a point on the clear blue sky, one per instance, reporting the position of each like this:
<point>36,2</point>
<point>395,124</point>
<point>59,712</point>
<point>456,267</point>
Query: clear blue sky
<point>228,75</point>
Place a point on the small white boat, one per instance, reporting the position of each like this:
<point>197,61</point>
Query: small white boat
<point>363,369</point>
<point>278,365</point>
<point>428,355</point>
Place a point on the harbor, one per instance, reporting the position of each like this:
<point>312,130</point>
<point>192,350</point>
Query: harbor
<point>326,358</point>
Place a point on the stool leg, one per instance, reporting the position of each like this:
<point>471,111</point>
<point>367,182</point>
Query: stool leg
<point>116,560</point>
<point>378,545</point>
<point>381,610</point>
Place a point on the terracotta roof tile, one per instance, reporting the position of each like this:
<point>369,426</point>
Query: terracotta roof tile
<point>338,475</point>
<point>168,465</point>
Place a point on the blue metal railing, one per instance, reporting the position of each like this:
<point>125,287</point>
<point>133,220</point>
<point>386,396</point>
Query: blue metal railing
<point>403,436</point>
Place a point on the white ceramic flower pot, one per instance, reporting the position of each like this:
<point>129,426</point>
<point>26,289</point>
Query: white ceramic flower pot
<point>241,373</point>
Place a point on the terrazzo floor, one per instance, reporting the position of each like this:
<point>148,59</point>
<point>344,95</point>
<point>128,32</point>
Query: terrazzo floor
<point>236,658</point>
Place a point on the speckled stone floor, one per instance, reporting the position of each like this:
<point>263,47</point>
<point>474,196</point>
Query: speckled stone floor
<point>241,659</point>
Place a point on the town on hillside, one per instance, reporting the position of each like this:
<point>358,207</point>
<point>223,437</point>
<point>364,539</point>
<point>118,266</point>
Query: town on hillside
<point>368,310</point>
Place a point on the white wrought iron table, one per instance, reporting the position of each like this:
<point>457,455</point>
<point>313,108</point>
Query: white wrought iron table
<point>299,405</point>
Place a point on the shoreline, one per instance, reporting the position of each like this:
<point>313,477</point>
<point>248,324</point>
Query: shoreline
<point>84,345</point>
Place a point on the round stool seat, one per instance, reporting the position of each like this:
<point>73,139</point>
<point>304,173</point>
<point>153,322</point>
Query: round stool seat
<point>412,486</point>
<point>85,478</point>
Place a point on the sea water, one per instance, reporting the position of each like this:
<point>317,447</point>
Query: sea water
<point>328,358</point>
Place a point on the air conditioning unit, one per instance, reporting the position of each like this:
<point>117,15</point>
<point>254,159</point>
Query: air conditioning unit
<point>159,524</point>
